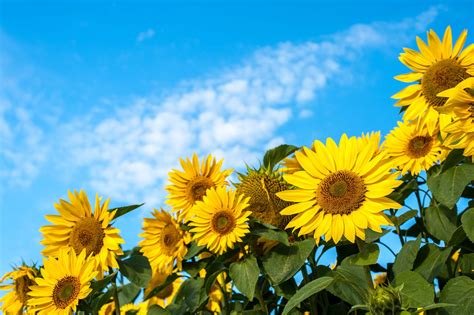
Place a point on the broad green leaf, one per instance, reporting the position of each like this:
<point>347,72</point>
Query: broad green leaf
<point>284,261</point>
<point>191,293</point>
<point>458,237</point>
<point>273,156</point>
<point>416,292</point>
<point>193,250</point>
<point>99,285</point>
<point>368,256</point>
<point>467,220</point>
<point>448,186</point>
<point>245,273</point>
<point>270,234</point>
<point>430,261</point>
<point>128,293</point>
<point>212,272</point>
<point>137,269</point>
<point>306,291</point>
<point>350,283</point>
<point>193,267</point>
<point>404,217</point>
<point>454,158</point>
<point>460,292</point>
<point>158,310</point>
<point>124,210</point>
<point>466,264</point>
<point>101,299</point>
<point>286,289</point>
<point>372,236</point>
<point>433,307</point>
<point>406,257</point>
<point>440,221</point>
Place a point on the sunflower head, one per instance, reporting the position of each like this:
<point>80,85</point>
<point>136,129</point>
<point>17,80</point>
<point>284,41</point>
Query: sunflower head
<point>190,184</point>
<point>164,242</point>
<point>166,295</point>
<point>438,66</point>
<point>21,279</point>
<point>80,228</point>
<point>380,279</point>
<point>220,219</point>
<point>261,186</point>
<point>385,299</point>
<point>65,281</point>
<point>341,190</point>
<point>413,148</point>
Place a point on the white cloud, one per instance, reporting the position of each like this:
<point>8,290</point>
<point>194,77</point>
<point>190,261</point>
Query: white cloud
<point>149,33</point>
<point>235,115</point>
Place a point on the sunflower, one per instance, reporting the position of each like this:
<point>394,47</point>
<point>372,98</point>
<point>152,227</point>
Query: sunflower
<point>15,301</point>
<point>460,105</point>
<point>216,295</point>
<point>190,185</point>
<point>166,295</point>
<point>342,190</point>
<point>261,186</point>
<point>413,148</point>
<point>220,219</point>
<point>77,227</point>
<point>437,67</point>
<point>164,242</point>
<point>134,309</point>
<point>65,280</point>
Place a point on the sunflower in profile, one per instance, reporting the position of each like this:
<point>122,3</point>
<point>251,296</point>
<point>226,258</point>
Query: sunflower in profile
<point>341,191</point>
<point>65,281</point>
<point>220,219</point>
<point>166,295</point>
<point>164,241</point>
<point>134,309</point>
<point>412,148</point>
<point>437,67</point>
<point>460,104</point>
<point>79,228</point>
<point>21,279</point>
<point>190,185</point>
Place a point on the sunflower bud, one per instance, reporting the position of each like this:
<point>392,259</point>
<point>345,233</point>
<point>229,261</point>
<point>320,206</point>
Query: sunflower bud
<point>385,300</point>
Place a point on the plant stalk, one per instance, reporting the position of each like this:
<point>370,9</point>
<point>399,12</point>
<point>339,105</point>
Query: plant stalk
<point>370,283</point>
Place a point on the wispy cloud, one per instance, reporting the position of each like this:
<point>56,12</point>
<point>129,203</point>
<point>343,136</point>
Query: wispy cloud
<point>149,33</point>
<point>235,115</point>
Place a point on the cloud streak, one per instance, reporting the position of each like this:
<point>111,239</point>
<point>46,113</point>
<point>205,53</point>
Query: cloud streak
<point>148,34</point>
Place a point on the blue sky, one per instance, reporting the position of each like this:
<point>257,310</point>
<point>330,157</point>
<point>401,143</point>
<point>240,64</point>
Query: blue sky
<point>106,96</point>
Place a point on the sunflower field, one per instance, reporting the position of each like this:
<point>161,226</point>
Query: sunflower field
<point>251,242</point>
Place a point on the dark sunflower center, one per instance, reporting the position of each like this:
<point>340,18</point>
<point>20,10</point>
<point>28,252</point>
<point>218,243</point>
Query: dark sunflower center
<point>197,188</point>
<point>420,146</point>
<point>66,291</point>
<point>87,234</point>
<point>223,222</point>
<point>341,192</point>
<point>169,238</point>
<point>443,75</point>
<point>21,288</point>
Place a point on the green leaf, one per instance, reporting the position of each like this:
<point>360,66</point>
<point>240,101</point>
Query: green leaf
<point>440,221</point>
<point>124,210</point>
<point>286,289</point>
<point>372,236</point>
<point>458,237</point>
<point>404,217</point>
<point>193,267</point>
<point>350,283</point>
<point>466,264</point>
<point>432,260</point>
<point>137,269</point>
<point>459,291</point>
<point>448,186</point>
<point>406,257</point>
<point>193,250</point>
<point>128,293</point>
<point>368,256</point>
<point>169,280</point>
<point>433,307</point>
<point>416,292</point>
<point>245,273</point>
<point>191,294</point>
<point>467,220</point>
<point>212,272</point>
<point>273,156</point>
<point>306,291</point>
<point>158,310</point>
<point>270,234</point>
<point>99,285</point>
<point>454,158</point>
<point>284,261</point>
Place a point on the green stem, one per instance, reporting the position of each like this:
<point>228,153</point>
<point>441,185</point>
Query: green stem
<point>368,275</point>
<point>312,301</point>
<point>226,299</point>
<point>260,299</point>
<point>392,212</point>
<point>116,299</point>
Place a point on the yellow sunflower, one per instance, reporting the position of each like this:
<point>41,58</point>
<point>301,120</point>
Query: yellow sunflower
<point>460,105</point>
<point>164,242</point>
<point>412,148</point>
<point>341,191</point>
<point>219,220</point>
<point>216,294</point>
<point>134,309</point>
<point>437,67</point>
<point>65,280</point>
<point>78,228</point>
<point>165,296</point>
<point>190,185</point>
<point>14,301</point>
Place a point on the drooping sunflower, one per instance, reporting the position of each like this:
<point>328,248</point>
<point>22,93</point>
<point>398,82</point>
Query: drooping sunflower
<point>164,241</point>
<point>341,191</point>
<point>190,185</point>
<point>261,186</point>
<point>460,104</point>
<point>437,67</point>
<point>165,296</point>
<point>220,219</point>
<point>79,228</point>
<point>21,278</point>
<point>413,148</point>
<point>65,280</point>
